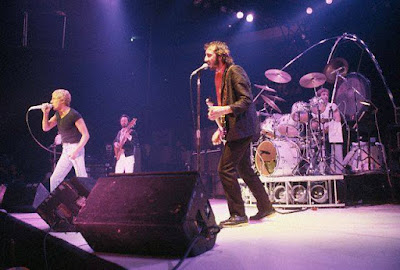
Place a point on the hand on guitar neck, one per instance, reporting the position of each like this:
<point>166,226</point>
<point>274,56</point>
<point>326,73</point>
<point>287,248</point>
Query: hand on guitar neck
<point>217,114</point>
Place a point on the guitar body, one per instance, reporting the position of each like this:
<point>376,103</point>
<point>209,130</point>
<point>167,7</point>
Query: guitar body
<point>221,123</point>
<point>119,150</point>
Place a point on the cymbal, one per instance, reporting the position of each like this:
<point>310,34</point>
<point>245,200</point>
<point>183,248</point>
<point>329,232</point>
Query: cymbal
<point>338,65</point>
<point>271,103</point>
<point>278,76</point>
<point>312,80</point>
<point>266,88</point>
<point>275,98</point>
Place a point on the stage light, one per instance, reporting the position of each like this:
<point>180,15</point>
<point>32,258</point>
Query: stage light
<point>239,15</point>
<point>249,17</point>
<point>299,194</point>
<point>309,10</point>
<point>328,1</point>
<point>319,193</point>
<point>279,194</point>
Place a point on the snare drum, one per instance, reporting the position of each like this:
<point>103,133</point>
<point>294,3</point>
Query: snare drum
<point>300,111</point>
<point>288,127</point>
<point>277,157</point>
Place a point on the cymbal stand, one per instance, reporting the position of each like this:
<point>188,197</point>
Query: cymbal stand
<point>321,151</point>
<point>258,95</point>
<point>359,149</point>
<point>337,73</point>
<point>309,155</point>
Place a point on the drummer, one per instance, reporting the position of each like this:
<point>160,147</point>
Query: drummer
<point>330,124</point>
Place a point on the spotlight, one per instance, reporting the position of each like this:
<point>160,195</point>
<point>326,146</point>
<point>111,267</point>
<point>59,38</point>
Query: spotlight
<point>299,194</point>
<point>249,17</point>
<point>319,194</point>
<point>309,10</point>
<point>280,194</point>
<point>328,1</point>
<point>239,15</point>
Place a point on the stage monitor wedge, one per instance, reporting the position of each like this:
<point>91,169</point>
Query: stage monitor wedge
<point>148,214</point>
<point>61,207</point>
<point>23,198</point>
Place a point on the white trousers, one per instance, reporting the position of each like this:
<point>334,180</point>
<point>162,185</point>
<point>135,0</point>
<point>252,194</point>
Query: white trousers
<point>337,158</point>
<point>125,164</point>
<point>65,164</point>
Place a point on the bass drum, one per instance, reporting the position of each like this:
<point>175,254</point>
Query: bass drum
<point>277,157</point>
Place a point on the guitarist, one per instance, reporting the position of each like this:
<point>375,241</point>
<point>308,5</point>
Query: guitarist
<point>234,98</point>
<point>126,161</point>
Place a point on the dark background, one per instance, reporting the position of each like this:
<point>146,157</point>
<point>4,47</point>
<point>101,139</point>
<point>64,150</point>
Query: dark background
<point>135,57</point>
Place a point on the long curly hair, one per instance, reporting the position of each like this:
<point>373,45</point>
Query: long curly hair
<point>221,49</point>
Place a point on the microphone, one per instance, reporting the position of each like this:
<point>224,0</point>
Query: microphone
<point>203,67</point>
<point>39,107</point>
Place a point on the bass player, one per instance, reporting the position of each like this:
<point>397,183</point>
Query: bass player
<point>124,145</point>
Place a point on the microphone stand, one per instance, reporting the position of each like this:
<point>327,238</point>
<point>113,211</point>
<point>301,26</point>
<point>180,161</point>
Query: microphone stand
<point>198,131</point>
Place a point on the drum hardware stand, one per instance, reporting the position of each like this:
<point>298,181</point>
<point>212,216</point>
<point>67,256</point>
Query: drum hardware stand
<point>356,125</point>
<point>320,154</point>
<point>309,156</point>
<point>321,142</point>
<point>371,160</point>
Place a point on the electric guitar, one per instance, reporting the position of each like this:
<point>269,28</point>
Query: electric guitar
<point>119,150</point>
<point>221,123</point>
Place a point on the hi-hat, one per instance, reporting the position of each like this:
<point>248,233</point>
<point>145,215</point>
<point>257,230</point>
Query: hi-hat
<point>266,88</point>
<point>336,66</point>
<point>312,80</point>
<point>278,76</point>
<point>271,103</point>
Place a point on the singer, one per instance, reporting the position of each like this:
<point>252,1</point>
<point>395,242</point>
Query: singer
<point>74,135</point>
<point>234,97</point>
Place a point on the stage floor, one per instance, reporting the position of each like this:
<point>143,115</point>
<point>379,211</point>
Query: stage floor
<point>363,237</point>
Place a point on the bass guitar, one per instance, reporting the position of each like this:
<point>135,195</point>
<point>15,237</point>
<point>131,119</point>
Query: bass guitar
<point>119,150</point>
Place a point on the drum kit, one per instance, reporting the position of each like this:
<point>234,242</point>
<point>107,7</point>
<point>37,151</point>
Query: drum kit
<point>295,143</point>
<point>292,143</point>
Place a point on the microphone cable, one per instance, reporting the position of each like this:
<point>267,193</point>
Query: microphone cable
<point>34,138</point>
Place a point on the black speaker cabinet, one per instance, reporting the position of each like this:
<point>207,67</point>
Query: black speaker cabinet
<point>149,214</point>
<point>23,198</point>
<point>61,207</point>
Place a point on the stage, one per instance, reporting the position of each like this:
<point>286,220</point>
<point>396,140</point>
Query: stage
<point>363,237</point>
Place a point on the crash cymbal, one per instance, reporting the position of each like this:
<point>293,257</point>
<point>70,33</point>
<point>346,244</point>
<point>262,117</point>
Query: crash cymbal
<point>312,80</point>
<point>336,65</point>
<point>275,98</point>
<point>271,103</point>
<point>266,88</point>
<point>278,76</point>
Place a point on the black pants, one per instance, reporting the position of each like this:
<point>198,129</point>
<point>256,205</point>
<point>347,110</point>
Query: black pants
<point>236,159</point>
